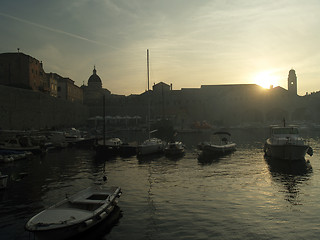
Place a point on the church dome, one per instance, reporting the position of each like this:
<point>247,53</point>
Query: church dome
<point>94,79</point>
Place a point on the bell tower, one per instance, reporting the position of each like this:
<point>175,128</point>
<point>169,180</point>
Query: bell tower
<point>292,82</point>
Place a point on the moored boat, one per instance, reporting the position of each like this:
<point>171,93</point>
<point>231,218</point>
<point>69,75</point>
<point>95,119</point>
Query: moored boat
<point>150,146</point>
<point>108,148</point>
<point>285,143</point>
<point>75,137</point>
<point>21,143</point>
<point>58,139</point>
<point>74,215</point>
<point>222,146</point>
<point>174,149</point>
<point>12,155</point>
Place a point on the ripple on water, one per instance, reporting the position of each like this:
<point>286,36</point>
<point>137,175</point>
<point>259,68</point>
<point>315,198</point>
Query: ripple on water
<point>240,196</point>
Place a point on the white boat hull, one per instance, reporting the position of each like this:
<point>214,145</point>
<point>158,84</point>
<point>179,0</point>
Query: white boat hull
<point>61,233</point>
<point>149,149</point>
<point>151,146</point>
<point>218,150</point>
<point>74,215</point>
<point>286,144</point>
<point>174,149</point>
<point>287,152</point>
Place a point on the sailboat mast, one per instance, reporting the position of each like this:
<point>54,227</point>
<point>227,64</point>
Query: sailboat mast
<point>148,68</point>
<point>104,120</point>
<point>148,94</point>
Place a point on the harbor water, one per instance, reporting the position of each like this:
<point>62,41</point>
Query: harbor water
<point>239,196</point>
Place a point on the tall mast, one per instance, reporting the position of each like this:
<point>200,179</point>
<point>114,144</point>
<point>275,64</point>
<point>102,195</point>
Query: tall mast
<point>148,93</point>
<point>148,67</point>
<point>104,120</point>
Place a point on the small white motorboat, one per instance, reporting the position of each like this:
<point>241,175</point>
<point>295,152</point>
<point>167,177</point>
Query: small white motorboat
<point>20,143</point>
<point>222,146</point>
<point>75,214</point>
<point>174,149</point>
<point>150,146</point>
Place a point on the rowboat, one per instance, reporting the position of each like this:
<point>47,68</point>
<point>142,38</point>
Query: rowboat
<point>74,215</point>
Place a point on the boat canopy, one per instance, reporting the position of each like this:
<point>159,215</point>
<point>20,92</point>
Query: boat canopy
<point>285,130</point>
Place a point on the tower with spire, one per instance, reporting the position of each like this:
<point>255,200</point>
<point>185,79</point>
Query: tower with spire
<point>292,82</point>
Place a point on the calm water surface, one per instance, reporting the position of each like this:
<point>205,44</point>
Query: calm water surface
<point>240,196</point>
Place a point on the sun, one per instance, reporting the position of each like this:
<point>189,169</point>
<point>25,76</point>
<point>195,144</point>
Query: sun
<point>266,79</point>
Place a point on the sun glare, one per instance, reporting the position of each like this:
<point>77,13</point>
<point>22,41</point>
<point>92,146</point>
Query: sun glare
<point>266,79</point>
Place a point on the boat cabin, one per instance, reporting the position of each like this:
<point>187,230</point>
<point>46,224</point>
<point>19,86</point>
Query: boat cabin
<point>284,132</point>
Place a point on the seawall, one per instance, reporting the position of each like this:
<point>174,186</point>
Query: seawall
<point>24,109</point>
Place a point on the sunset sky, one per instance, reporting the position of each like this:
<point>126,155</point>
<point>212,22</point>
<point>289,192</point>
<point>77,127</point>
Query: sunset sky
<point>191,42</point>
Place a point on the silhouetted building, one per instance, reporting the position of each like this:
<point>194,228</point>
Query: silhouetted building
<point>53,83</point>
<point>22,71</point>
<point>94,81</point>
<point>292,82</point>
<point>68,91</point>
<point>161,87</point>
<point>93,94</point>
<point>217,105</point>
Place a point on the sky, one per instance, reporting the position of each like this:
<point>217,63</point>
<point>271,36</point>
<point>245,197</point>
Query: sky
<point>191,42</point>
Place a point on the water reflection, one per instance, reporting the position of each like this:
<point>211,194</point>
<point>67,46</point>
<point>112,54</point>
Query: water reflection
<point>149,158</point>
<point>208,160</point>
<point>295,168</point>
<point>100,231</point>
<point>205,159</point>
<point>291,175</point>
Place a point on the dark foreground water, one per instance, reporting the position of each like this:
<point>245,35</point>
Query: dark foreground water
<point>241,196</point>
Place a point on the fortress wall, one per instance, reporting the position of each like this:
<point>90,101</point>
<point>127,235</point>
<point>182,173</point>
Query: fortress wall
<point>26,109</point>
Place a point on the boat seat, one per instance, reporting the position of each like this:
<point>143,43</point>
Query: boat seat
<point>90,198</point>
<point>84,201</point>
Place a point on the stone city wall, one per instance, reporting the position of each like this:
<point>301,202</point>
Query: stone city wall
<point>23,109</point>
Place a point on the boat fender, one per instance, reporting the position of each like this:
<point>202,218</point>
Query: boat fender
<point>88,222</point>
<point>103,215</point>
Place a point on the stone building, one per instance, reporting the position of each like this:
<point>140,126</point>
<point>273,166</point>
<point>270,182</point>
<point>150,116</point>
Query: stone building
<point>218,105</point>
<point>227,105</point>
<point>292,82</point>
<point>53,79</point>
<point>93,94</point>
<point>22,71</point>
<point>67,90</point>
